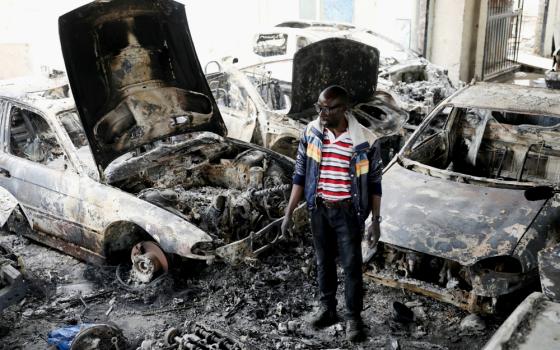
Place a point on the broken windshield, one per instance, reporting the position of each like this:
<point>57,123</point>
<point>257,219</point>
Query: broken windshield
<point>273,44</point>
<point>73,126</point>
<point>505,146</point>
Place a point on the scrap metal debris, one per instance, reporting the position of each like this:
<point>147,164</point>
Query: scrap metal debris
<point>12,284</point>
<point>198,336</point>
<point>263,304</point>
<point>87,337</point>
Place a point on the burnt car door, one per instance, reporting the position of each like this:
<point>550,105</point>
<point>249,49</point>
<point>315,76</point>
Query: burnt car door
<point>35,169</point>
<point>238,109</point>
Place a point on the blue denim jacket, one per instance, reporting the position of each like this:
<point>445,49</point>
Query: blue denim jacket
<point>365,165</point>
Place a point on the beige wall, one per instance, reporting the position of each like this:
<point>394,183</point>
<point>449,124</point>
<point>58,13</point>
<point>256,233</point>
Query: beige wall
<point>219,27</point>
<point>387,17</point>
<point>454,37</point>
<point>14,61</point>
<point>445,35</point>
<point>552,25</point>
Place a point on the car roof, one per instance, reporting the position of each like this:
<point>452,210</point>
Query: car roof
<point>316,25</point>
<point>509,97</point>
<point>45,94</point>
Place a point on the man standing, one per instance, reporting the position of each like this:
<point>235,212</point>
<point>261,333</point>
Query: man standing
<point>338,168</point>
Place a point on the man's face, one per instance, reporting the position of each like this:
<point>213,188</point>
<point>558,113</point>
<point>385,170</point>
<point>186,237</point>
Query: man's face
<point>331,110</point>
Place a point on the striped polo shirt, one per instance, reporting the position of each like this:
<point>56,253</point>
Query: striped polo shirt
<point>334,176</point>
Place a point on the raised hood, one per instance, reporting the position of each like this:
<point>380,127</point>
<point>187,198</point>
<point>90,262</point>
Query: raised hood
<point>339,61</point>
<point>135,74</point>
<point>456,221</point>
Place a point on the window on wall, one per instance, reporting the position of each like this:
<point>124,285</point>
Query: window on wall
<point>337,10</point>
<point>327,10</point>
<point>32,138</point>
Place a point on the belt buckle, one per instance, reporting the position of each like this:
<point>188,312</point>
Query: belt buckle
<point>334,204</point>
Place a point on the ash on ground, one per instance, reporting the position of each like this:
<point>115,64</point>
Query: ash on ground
<point>262,304</point>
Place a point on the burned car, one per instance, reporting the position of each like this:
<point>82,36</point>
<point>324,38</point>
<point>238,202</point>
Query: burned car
<point>248,117</point>
<point>166,180</point>
<point>330,61</point>
<point>418,84</point>
<point>456,223</point>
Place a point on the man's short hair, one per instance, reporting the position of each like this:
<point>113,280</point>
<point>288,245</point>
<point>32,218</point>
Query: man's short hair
<point>337,91</point>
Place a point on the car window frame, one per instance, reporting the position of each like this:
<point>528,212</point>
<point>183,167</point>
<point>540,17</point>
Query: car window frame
<point>408,147</point>
<point>79,167</point>
<point>7,132</point>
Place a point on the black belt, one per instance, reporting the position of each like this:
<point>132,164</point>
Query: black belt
<point>343,203</point>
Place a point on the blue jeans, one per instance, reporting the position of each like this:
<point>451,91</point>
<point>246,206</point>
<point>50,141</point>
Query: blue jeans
<point>338,230</point>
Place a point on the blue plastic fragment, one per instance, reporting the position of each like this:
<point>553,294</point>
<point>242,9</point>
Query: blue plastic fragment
<point>63,337</point>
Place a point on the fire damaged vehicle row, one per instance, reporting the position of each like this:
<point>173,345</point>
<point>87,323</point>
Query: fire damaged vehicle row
<point>151,172</point>
<point>261,102</point>
<point>457,225</point>
<point>340,61</point>
<point>142,166</point>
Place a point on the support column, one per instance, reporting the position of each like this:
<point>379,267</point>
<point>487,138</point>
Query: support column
<point>456,36</point>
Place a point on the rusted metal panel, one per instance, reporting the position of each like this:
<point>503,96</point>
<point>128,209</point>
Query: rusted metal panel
<point>464,300</point>
<point>549,269</point>
<point>509,97</point>
<point>534,324</point>
<point>544,230</point>
<point>344,62</point>
<point>457,221</point>
<point>7,205</point>
<point>135,74</point>
<point>12,284</point>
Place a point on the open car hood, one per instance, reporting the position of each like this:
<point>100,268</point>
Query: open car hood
<point>339,61</point>
<point>456,221</point>
<point>135,75</point>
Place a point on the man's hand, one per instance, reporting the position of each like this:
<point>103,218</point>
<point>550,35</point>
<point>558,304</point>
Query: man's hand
<point>286,223</point>
<point>373,234</point>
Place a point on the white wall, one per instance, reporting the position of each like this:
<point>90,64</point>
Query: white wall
<point>218,27</point>
<point>14,61</point>
<point>35,23</point>
<point>387,17</point>
<point>456,36</point>
<point>552,28</point>
<point>221,27</point>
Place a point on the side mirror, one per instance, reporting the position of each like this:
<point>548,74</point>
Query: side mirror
<point>539,193</point>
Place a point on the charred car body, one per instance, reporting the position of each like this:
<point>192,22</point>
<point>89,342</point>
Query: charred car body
<point>330,61</point>
<point>456,223</point>
<point>166,172</point>
<point>418,84</point>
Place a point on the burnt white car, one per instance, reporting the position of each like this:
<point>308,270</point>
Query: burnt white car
<point>143,161</point>
<point>457,225</point>
<point>418,83</point>
<point>341,61</point>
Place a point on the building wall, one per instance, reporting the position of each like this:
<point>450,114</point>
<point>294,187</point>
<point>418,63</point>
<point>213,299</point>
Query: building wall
<point>14,61</point>
<point>396,19</point>
<point>455,38</point>
<point>445,35</point>
<point>552,28</point>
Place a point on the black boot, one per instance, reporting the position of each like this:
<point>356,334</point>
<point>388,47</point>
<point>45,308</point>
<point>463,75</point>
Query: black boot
<point>323,318</point>
<point>354,330</point>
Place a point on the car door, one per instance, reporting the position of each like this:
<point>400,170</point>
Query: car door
<point>238,109</point>
<point>35,169</point>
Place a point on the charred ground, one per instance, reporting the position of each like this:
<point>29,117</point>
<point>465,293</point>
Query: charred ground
<point>264,304</point>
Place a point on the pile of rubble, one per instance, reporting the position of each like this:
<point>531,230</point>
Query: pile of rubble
<point>262,304</point>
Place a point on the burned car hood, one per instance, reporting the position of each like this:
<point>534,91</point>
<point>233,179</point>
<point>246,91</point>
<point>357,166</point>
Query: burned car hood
<point>135,75</point>
<point>340,61</point>
<point>456,221</point>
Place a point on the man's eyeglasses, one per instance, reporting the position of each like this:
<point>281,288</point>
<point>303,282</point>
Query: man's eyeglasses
<point>326,109</point>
